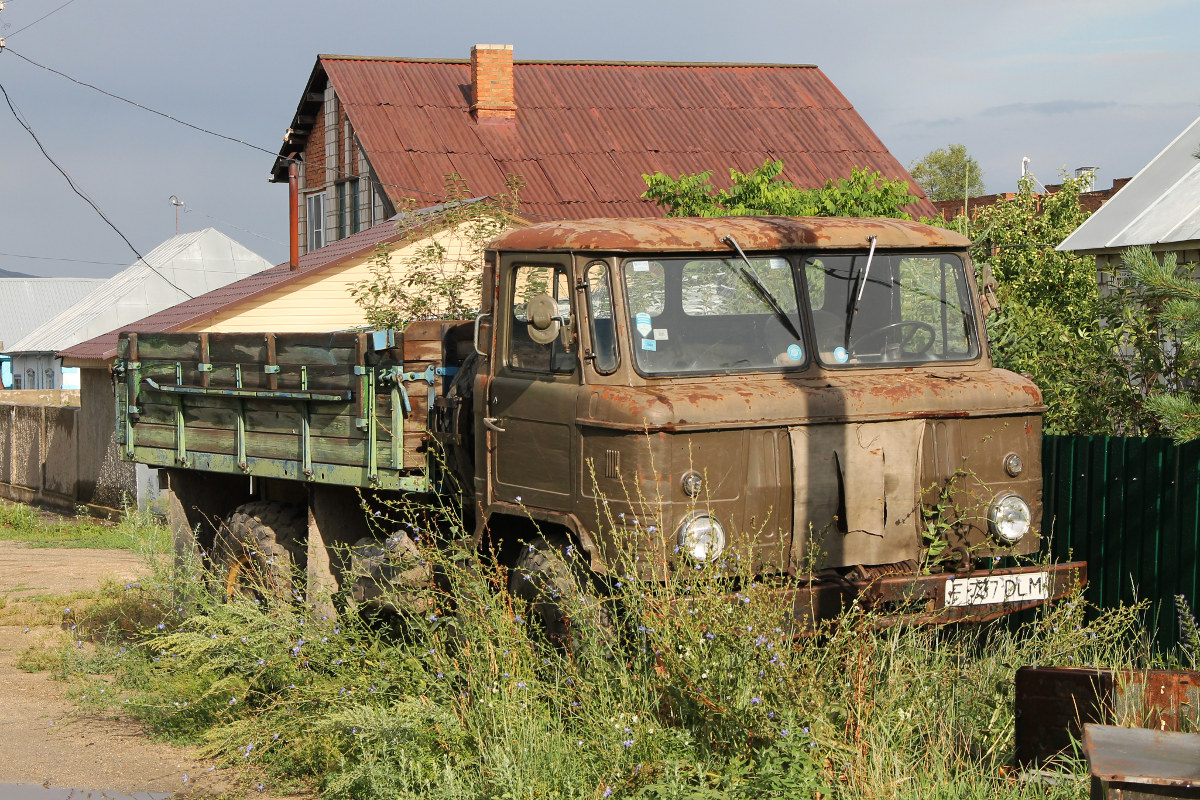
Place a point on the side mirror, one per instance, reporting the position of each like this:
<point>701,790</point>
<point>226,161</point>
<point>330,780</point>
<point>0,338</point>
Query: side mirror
<point>544,320</point>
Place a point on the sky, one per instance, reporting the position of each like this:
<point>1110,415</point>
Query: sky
<point>1066,83</point>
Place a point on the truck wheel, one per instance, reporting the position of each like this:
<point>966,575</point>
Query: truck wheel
<point>256,551</point>
<point>550,578</point>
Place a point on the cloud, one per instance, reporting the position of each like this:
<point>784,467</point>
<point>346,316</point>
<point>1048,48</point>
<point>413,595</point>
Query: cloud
<point>1047,109</point>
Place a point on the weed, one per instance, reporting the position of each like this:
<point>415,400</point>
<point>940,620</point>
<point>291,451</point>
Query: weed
<point>709,692</point>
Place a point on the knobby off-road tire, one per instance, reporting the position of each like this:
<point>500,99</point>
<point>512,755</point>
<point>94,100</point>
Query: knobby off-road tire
<point>258,550</point>
<point>552,582</point>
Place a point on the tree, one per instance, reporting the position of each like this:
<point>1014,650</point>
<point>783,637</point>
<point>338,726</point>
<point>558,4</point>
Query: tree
<point>441,277</point>
<point>948,173</point>
<point>1103,360</point>
<point>762,191</point>
<point>1170,297</point>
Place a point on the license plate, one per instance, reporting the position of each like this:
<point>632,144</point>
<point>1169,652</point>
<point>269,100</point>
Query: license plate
<point>993,589</point>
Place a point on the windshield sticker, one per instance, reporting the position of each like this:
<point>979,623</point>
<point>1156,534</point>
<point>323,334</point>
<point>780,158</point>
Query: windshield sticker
<point>649,344</point>
<point>643,323</point>
<point>840,355</point>
<point>641,266</point>
<point>795,352</point>
<point>660,334</point>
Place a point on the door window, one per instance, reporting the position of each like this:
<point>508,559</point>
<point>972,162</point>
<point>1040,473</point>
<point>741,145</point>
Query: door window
<point>528,348</point>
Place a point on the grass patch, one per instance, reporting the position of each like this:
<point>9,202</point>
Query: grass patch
<point>707,692</point>
<point>136,531</point>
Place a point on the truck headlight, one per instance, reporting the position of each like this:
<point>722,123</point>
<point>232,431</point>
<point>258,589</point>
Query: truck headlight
<point>701,536</point>
<point>1009,518</point>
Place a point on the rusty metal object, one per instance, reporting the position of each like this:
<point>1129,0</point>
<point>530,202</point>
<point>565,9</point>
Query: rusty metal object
<point>920,599</point>
<point>1141,764</point>
<point>694,234</point>
<point>1053,704</point>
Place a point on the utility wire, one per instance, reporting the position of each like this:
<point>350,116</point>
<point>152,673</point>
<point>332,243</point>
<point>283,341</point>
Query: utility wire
<point>81,194</point>
<point>139,105</point>
<point>336,171</point>
<point>72,260</point>
<point>39,19</point>
<point>187,209</point>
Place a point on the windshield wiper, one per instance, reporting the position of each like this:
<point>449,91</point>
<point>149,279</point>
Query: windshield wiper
<point>862,284</point>
<point>748,273</point>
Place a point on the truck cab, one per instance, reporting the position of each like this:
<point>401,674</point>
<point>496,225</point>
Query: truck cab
<point>815,394</point>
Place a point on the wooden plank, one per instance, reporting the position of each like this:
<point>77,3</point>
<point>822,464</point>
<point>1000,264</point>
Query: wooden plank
<point>238,348</point>
<point>169,346</point>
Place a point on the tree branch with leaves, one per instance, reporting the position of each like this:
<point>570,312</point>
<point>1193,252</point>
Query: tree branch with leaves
<point>439,276</point>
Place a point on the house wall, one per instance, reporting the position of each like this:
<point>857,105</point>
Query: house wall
<point>321,302</point>
<point>36,371</point>
<point>335,165</point>
<point>58,449</point>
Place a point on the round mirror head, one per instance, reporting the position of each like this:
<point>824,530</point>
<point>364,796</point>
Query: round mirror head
<point>542,312</point>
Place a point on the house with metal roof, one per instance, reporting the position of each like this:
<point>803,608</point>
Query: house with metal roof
<point>372,134</point>
<point>183,267</point>
<point>27,302</point>
<point>1159,207</point>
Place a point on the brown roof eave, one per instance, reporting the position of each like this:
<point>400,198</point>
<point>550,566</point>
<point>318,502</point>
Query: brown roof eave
<point>299,131</point>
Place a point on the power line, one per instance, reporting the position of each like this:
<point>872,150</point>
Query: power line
<point>187,209</point>
<point>71,260</point>
<point>80,192</point>
<point>139,105</point>
<point>39,19</point>
<point>336,171</point>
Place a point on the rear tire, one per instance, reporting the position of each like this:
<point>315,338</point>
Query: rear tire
<point>257,551</point>
<point>553,582</point>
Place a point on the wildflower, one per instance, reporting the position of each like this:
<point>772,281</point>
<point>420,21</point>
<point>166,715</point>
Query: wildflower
<point>784,732</point>
<point>160,626</point>
<point>608,791</point>
<point>628,743</point>
<point>185,777</point>
<point>232,700</point>
<point>520,684</point>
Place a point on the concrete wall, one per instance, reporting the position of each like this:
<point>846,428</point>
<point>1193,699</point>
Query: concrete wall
<point>59,452</point>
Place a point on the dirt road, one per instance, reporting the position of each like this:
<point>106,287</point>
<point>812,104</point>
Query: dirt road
<point>44,741</point>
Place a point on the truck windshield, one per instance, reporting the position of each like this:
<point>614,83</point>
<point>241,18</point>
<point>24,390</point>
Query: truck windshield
<point>909,309</point>
<point>707,315</point>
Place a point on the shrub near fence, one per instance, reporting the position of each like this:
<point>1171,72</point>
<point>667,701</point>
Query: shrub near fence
<point>1130,507</point>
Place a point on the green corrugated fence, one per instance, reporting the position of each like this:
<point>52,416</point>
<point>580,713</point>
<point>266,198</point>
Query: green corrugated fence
<point>1131,508</point>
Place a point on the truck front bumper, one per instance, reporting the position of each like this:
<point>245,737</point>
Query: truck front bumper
<point>974,596</point>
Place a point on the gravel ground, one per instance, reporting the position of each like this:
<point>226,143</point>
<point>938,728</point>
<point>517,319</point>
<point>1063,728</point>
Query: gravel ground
<point>45,740</point>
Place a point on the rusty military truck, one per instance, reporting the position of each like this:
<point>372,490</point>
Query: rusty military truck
<point>814,395</point>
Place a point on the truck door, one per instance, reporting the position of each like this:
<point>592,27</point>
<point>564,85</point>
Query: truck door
<point>533,394</point>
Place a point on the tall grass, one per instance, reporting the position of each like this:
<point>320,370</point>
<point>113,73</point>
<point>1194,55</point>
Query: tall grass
<point>708,691</point>
<point>135,530</point>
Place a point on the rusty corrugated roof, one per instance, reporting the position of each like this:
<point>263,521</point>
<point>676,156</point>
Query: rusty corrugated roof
<point>585,132</point>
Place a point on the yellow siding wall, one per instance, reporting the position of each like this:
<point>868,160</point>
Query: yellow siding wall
<point>318,302</point>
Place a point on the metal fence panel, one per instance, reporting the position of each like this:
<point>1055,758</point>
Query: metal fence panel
<point>1130,507</point>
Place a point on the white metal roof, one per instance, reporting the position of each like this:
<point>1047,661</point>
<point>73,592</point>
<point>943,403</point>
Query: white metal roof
<point>184,266</point>
<point>1160,205</point>
<point>26,303</point>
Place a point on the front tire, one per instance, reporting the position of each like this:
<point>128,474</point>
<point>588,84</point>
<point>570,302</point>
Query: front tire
<point>257,550</point>
<point>552,581</point>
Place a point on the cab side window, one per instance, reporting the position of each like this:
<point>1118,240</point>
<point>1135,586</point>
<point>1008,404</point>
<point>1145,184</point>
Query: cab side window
<point>600,309</point>
<point>525,352</point>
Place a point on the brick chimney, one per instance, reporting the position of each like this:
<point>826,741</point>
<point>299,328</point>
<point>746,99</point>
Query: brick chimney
<point>492,82</point>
